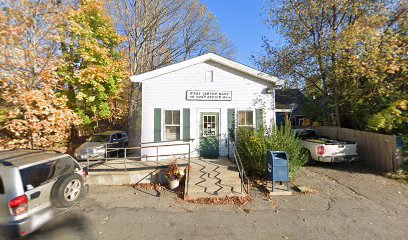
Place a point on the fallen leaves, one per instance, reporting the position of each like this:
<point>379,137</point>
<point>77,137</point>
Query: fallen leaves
<point>227,200</point>
<point>307,190</point>
<point>148,186</point>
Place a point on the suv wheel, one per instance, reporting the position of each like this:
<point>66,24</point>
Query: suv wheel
<point>67,190</point>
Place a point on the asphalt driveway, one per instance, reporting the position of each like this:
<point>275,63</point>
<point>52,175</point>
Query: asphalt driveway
<point>347,203</point>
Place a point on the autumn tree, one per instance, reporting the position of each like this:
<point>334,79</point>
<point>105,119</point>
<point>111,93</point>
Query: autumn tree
<point>37,115</point>
<point>372,70</point>
<point>92,66</point>
<point>158,33</point>
<point>310,29</point>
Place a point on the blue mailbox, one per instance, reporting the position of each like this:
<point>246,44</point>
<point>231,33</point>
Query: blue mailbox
<point>277,163</point>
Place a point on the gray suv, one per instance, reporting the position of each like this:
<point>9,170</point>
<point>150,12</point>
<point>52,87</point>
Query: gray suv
<point>35,187</point>
<point>98,146</point>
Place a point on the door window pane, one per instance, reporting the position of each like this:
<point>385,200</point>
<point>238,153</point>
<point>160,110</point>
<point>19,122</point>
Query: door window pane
<point>209,126</point>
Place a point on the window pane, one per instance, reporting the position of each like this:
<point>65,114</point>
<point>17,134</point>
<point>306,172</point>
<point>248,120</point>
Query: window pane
<point>176,117</point>
<point>168,117</point>
<point>114,137</point>
<point>250,118</point>
<point>38,175</point>
<point>64,166</point>
<point>241,118</point>
<point>172,133</point>
<point>99,138</point>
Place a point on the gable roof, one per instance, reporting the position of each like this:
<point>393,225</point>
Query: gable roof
<point>288,98</point>
<point>204,58</point>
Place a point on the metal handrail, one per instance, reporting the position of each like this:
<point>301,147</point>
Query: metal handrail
<point>125,157</point>
<point>241,170</point>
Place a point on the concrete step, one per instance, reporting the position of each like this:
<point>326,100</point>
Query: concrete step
<point>195,195</point>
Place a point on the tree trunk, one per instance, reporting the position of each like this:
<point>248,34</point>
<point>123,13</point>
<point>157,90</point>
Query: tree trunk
<point>134,116</point>
<point>337,109</point>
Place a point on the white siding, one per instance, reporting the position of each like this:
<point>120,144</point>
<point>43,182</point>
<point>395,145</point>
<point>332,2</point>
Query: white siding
<point>168,92</point>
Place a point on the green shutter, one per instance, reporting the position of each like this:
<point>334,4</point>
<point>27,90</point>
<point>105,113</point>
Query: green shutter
<point>231,124</point>
<point>157,125</point>
<point>186,124</point>
<point>259,119</point>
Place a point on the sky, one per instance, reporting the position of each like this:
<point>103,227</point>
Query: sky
<point>243,22</point>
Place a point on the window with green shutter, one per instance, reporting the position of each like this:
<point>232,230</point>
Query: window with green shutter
<point>171,125</point>
<point>245,118</point>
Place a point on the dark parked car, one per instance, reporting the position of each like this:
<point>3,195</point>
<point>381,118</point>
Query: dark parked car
<point>97,146</point>
<point>35,187</point>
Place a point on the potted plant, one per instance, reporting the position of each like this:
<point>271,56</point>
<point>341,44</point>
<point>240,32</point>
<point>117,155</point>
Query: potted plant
<point>174,175</point>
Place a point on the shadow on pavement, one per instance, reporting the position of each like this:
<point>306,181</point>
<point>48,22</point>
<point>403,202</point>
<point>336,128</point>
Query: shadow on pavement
<point>76,224</point>
<point>351,167</point>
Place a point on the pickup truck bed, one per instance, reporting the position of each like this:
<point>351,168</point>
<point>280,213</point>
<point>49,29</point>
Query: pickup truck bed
<point>328,150</point>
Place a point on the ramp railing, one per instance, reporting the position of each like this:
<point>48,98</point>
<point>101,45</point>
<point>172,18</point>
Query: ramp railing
<point>106,153</point>
<point>241,170</point>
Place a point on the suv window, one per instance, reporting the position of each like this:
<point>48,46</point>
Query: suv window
<point>1,186</point>
<point>99,138</point>
<point>116,137</point>
<point>119,135</point>
<point>43,173</point>
<point>124,135</point>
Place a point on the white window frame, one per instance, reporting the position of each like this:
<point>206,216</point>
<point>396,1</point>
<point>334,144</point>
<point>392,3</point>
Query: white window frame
<point>164,136</point>
<point>246,110</point>
<point>209,76</point>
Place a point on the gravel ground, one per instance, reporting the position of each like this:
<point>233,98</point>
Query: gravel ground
<point>347,203</point>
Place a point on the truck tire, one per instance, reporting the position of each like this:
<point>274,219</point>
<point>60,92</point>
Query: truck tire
<point>311,162</point>
<point>67,190</point>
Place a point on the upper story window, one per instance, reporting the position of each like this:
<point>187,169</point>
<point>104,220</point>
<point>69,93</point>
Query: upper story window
<point>246,118</point>
<point>209,76</point>
<point>172,125</point>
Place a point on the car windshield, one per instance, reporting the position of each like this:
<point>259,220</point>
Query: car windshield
<point>99,138</point>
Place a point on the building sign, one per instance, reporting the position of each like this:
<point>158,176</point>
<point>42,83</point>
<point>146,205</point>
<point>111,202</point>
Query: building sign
<point>210,95</point>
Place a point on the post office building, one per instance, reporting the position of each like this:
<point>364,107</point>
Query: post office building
<point>202,101</point>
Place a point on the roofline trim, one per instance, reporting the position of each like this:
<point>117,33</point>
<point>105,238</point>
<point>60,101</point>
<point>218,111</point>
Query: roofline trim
<point>140,78</point>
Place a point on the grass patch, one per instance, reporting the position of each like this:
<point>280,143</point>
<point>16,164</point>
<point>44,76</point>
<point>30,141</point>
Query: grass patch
<point>401,174</point>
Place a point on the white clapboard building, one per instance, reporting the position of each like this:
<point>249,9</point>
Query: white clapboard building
<point>201,101</point>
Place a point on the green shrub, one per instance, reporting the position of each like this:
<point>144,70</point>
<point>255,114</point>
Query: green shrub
<point>252,146</point>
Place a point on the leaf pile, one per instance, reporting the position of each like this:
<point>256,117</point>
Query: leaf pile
<point>148,186</point>
<point>227,200</point>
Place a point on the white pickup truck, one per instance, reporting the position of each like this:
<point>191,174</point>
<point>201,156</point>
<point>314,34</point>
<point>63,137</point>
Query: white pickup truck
<point>327,150</point>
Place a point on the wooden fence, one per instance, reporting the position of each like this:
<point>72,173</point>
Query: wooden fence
<point>376,151</point>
